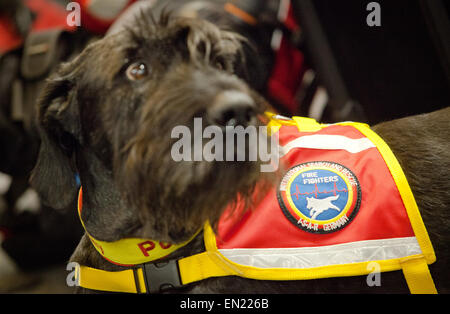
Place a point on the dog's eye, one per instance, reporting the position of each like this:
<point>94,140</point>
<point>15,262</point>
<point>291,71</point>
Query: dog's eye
<point>137,71</point>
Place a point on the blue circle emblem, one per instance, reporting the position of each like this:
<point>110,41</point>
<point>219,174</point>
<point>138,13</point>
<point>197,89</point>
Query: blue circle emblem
<point>319,194</point>
<point>319,197</point>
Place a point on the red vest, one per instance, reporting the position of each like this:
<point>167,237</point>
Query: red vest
<point>319,167</point>
<point>342,203</point>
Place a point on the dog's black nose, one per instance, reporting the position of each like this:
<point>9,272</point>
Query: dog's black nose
<point>232,108</point>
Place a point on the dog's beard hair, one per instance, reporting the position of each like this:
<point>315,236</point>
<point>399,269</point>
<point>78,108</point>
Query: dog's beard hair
<point>175,198</point>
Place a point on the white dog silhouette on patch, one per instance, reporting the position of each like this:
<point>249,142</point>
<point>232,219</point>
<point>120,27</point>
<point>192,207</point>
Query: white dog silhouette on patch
<point>318,206</point>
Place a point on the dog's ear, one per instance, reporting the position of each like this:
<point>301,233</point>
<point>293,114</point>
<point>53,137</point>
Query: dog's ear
<point>58,124</point>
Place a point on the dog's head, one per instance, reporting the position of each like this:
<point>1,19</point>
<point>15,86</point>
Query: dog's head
<point>110,114</point>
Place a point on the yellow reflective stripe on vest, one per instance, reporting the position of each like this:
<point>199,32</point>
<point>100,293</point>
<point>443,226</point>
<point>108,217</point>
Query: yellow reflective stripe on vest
<point>204,265</point>
<point>213,264</point>
<point>303,124</point>
<point>418,276</point>
<point>201,266</point>
<point>111,281</point>
<point>307,124</point>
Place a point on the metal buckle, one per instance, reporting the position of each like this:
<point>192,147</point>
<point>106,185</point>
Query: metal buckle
<point>161,276</point>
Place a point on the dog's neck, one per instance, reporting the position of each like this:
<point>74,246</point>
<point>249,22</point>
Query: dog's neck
<point>103,208</point>
<point>104,216</point>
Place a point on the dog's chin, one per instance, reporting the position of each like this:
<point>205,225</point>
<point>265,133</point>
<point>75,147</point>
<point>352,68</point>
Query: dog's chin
<point>178,206</point>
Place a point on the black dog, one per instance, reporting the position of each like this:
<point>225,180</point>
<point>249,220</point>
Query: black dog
<point>108,116</point>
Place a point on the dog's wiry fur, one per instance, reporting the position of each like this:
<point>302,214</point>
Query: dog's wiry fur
<point>115,133</point>
<point>114,148</point>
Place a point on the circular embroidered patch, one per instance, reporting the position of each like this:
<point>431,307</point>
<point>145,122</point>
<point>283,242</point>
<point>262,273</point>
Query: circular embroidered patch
<point>319,196</point>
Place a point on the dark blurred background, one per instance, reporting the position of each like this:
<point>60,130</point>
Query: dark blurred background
<point>394,70</point>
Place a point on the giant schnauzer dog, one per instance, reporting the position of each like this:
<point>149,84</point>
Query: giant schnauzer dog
<point>107,116</point>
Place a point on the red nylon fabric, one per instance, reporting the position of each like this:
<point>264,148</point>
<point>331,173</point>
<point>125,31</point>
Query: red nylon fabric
<point>382,214</point>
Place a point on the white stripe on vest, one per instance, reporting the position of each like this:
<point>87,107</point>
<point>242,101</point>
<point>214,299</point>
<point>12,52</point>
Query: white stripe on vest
<point>308,257</point>
<point>328,142</point>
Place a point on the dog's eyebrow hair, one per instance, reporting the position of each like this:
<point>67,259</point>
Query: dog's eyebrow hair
<point>135,37</point>
<point>146,25</point>
<point>206,42</point>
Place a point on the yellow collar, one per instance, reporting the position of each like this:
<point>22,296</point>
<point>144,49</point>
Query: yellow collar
<point>131,251</point>
<point>156,277</point>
